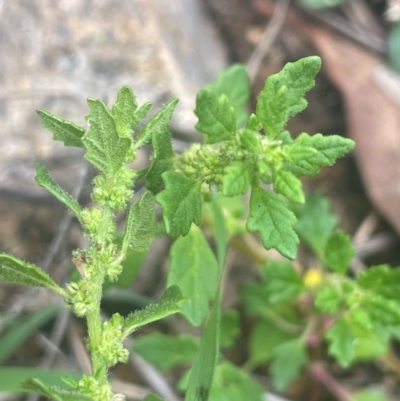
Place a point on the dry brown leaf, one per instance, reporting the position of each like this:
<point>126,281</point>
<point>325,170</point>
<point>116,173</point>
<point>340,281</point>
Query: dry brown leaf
<point>373,118</point>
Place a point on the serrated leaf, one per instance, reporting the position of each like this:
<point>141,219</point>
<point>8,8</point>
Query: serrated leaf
<point>282,96</point>
<point>106,149</point>
<point>140,224</point>
<point>282,281</point>
<point>124,112</point>
<point>327,299</point>
<point>236,179</point>
<point>62,130</point>
<point>342,341</point>
<point>156,124</point>
<point>287,361</point>
<point>166,351</point>
<point>250,140</point>
<point>315,222</point>
<point>162,160</point>
<point>194,269</point>
<point>232,383</point>
<point>217,118</point>
<point>382,310</point>
<point>274,221</point>
<point>55,393</point>
<point>14,270</point>
<point>181,203</point>
<point>272,108</point>
<point>44,180</point>
<point>327,150</point>
<point>235,84</point>
<point>165,306</point>
<point>289,185</point>
<point>338,252</point>
<point>143,110</point>
<point>382,279</point>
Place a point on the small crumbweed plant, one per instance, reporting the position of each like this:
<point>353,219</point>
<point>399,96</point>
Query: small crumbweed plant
<point>240,153</point>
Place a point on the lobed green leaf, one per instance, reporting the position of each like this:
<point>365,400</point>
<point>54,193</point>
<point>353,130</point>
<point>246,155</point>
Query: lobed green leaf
<point>62,130</point>
<point>236,179</point>
<point>140,224</point>
<point>106,149</point>
<point>342,341</point>
<point>14,270</point>
<point>194,269</point>
<point>328,299</point>
<point>283,94</point>
<point>383,280</point>
<point>288,359</point>
<point>44,179</point>
<point>124,112</point>
<point>217,118</point>
<point>326,150</point>
<point>289,186</point>
<point>235,84</point>
<point>181,203</point>
<point>157,124</point>
<point>282,281</point>
<point>274,221</point>
<point>338,252</point>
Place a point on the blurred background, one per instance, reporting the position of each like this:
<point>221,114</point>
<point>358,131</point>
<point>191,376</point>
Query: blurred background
<point>56,54</point>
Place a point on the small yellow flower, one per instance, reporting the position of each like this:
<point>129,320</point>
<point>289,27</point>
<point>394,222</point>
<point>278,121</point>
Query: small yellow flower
<point>312,277</point>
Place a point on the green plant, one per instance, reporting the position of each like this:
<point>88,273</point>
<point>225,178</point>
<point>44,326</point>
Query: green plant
<point>233,160</point>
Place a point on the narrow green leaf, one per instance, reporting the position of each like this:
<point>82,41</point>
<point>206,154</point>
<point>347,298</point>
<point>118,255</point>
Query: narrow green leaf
<point>124,112</point>
<point>289,185</point>
<point>316,222</point>
<point>14,270</point>
<point>166,351</point>
<point>236,179</point>
<point>338,252</point>
<point>327,150</point>
<point>62,130</point>
<point>195,270</point>
<point>156,124</point>
<point>235,84</point>
<point>217,118</point>
<point>181,203</point>
<point>165,306</point>
<point>274,221</point>
<point>44,179</point>
<point>23,328</point>
<point>162,160</point>
<point>383,280</point>
<point>143,110</point>
<point>282,281</point>
<point>105,148</point>
<point>12,377</point>
<point>55,393</point>
<point>342,341</point>
<point>283,94</point>
<point>140,224</point>
<point>287,361</point>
